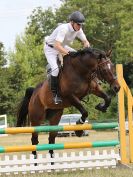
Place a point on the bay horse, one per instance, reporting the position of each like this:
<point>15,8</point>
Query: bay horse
<point>76,80</point>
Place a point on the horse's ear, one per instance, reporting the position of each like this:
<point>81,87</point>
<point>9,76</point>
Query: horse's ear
<point>109,53</point>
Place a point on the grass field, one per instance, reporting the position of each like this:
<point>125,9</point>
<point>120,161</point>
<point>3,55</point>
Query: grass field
<point>86,173</point>
<point>24,139</point>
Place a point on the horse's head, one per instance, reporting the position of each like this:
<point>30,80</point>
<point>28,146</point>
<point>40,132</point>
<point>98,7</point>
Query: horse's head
<point>106,71</point>
<point>90,62</point>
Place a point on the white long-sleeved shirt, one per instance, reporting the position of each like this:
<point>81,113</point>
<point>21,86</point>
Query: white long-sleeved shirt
<point>65,34</point>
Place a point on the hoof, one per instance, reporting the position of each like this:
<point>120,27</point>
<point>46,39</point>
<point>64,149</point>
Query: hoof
<point>101,107</point>
<point>52,156</point>
<point>35,157</point>
<point>52,163</point>
<point>79,133</point>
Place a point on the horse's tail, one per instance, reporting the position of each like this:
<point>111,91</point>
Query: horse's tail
<point>23,108</point>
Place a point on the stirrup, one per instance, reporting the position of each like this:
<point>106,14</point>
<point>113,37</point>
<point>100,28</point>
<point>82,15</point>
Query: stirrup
<point>57,99</point>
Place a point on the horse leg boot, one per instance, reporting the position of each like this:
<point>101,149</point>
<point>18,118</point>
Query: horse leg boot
<point>55,89</point>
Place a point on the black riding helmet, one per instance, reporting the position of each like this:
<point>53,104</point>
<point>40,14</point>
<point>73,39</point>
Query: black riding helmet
<point>77,17</point>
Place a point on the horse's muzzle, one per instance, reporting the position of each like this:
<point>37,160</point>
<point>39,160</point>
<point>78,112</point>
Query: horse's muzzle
<point>115,86</point>
<point>116,89</point>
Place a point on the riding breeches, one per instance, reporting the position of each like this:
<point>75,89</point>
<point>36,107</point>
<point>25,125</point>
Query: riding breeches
<point>52,56</point>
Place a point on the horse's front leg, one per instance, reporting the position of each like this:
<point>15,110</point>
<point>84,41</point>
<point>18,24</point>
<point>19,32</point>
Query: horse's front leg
<point>100,93</point>
<point>35,119</point>
<point>76,102</point>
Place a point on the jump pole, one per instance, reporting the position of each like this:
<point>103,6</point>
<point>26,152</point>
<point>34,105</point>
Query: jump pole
<point>44,147</point>
<point>93,126</point>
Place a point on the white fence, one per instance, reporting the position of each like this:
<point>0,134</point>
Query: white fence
<point>62,162</point>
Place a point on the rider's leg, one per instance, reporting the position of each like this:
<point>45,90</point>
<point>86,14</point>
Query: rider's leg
<point>55,89</point>
<point>51,55</point>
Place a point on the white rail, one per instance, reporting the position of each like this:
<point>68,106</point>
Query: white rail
<point>62,162</point>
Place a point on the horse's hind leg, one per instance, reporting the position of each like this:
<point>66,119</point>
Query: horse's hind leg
<point>52,135</point>
<point>34,140</point>
<point>36,118</point>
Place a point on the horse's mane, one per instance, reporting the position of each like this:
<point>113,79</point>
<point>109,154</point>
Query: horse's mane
<point>97,53</point>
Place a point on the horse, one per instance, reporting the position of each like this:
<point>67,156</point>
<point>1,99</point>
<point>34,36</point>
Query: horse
<point>77,78</point>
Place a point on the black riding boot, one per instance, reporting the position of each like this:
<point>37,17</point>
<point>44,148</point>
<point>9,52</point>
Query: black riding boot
<point>55,89</point>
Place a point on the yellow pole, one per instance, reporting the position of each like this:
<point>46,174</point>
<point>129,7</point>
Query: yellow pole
<point>121,108</point>
<point>130,114</point>
<point>20,148</point>
<point>130,125</point>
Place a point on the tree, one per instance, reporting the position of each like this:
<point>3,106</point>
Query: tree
<point>6,94</point>
<point>128,74</point>
<point>124,44</point>
<point>2,55</point>
<point>41,23</point>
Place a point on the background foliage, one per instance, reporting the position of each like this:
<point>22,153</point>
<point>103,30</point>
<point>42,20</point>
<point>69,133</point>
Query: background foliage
<point>108,25</point>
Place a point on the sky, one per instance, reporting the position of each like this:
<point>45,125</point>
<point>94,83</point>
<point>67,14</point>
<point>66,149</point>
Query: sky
<point>13,17</point>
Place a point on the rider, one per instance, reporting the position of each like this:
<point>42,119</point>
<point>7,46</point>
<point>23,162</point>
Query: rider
<point>58,43</point>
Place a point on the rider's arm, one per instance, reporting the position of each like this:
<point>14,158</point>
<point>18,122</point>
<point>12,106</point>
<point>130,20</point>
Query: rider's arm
<point>83,38</point>
<point>58,46</point>
<point>86,43</point>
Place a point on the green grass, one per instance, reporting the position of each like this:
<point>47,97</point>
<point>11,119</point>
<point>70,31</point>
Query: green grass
<point>86,173</point>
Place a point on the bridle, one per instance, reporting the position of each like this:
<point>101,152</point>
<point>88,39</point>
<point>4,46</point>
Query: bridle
<point>100,72</point>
